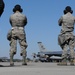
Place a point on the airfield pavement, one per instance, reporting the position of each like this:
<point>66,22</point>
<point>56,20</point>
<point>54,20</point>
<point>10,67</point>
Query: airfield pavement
<point>36,69</point>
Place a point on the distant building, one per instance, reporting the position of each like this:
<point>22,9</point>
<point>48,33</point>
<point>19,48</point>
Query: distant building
<point>3,59</point>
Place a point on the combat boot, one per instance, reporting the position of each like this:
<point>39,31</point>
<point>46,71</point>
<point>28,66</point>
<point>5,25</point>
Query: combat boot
<point>63,62</point>
<point>72,62</point>
<point>11,61</point>
<point>24,62</point>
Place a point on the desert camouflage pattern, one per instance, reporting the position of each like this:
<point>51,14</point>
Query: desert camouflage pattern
<point>66,38</point>
<point>18,21</point>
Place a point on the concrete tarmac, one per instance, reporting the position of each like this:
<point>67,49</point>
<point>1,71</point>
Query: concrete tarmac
<point>36,69</point>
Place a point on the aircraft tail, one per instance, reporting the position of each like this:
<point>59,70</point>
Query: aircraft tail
<point>41,46</point>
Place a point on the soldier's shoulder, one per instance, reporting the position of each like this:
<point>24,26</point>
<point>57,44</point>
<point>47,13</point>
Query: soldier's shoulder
<point>73,16</point>
<point>23,15</point>
<point>11,16</point>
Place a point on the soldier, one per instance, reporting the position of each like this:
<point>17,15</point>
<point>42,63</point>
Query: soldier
<point>66,38</point>
<point>18,21</point>
<point>2,5</point>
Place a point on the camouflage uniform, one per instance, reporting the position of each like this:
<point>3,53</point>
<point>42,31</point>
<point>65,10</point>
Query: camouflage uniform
<point>18,21</point>
<point>66,38</point>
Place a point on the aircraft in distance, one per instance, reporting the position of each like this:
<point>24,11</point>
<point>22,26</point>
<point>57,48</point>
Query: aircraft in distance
<point>47,56</point>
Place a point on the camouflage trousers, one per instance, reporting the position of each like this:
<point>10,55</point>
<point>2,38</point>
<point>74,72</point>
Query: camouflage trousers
<point>13,44</point>
<point>69,45</point>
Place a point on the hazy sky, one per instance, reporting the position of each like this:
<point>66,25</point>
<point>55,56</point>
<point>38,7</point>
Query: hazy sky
<point>42,24</point>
